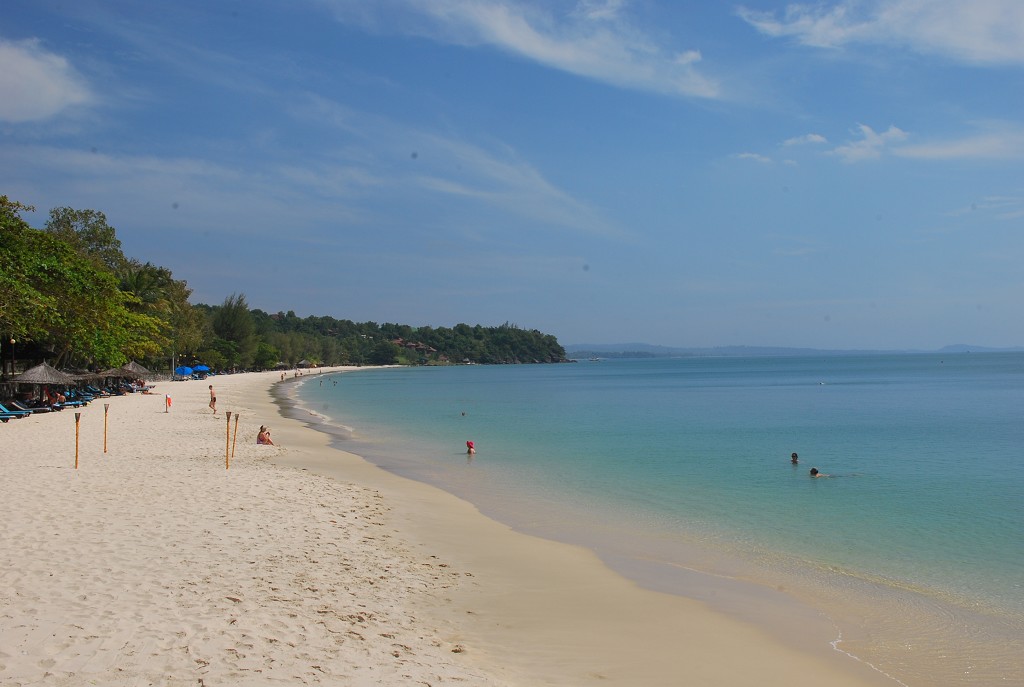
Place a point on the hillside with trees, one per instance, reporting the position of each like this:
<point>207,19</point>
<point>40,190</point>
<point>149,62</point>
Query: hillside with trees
<point>69,295</point>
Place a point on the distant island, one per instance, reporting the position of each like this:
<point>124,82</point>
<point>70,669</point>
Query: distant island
<point>643,350</point>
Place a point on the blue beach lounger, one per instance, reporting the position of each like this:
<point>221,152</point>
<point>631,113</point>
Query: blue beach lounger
<point>17,405</point>
<point>14,413</point>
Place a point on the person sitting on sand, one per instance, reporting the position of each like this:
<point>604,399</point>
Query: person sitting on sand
<point>264,436</point>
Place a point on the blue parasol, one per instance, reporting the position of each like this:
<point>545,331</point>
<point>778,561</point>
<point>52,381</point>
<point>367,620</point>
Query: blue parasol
<point>184,371</point>
<point>201,368</point>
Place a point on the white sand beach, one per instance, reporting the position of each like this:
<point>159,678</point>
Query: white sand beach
<point>153,564</point>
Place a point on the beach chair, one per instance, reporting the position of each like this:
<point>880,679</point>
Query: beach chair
<point>73,399</point>
<point>18,405</point>
<point>13,413</point>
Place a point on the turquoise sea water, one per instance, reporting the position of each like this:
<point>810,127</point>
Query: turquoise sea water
<point>913,547</point>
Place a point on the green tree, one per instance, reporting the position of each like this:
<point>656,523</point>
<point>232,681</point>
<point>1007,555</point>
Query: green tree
<point>24,309</point>
<point>213,358</point>
<point>266,357</point>
<point>64,300</point>
<point>165,298</point>
<point>87,232</point>
<point>233,323</point>
<point>384,353</point>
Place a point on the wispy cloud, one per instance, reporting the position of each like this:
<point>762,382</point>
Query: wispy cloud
<point>37,84</point>
<point>990,141</point>
<point>805,139</point>
<point>401,156</point>
<point>755,157</point>
<point>595,39</point>
<point>149,190</point>
<point>508,183</point>
<point>870,145</point>
<point>976,32</point>
<point>996,141</point>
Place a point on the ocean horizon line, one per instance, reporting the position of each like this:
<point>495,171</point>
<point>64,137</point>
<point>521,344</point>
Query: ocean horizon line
<point>746,350</point>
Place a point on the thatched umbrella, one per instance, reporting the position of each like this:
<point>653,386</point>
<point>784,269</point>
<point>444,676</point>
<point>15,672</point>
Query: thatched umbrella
<point>136,370</point>
<point>43,374</point>
<point>130,371</point>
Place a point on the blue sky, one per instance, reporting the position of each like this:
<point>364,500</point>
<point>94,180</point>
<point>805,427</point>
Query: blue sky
<point>839,174</point>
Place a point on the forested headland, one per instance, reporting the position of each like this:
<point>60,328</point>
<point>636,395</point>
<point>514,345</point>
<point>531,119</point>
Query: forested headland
<point>69,295</point>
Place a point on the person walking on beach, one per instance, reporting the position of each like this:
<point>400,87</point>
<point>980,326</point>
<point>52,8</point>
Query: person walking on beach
<point>213,400</point>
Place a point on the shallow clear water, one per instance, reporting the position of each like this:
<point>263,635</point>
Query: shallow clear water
<point>925,453</point>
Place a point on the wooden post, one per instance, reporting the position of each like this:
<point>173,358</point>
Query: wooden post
<point>106,409</point>
<point>227,444</point>
<point>78,417</point>
<point>234,439</point>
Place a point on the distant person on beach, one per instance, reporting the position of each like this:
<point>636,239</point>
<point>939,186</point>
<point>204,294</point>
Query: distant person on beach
<point>470,448</point>
<point>794,459</point>
<point>264,436</point>
<point>213,400</point>
<point>816,473</point>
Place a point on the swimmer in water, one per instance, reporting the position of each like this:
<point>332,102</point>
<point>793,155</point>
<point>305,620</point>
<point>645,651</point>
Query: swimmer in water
<point>794,459</point>
<point>470,448</point>
<point>816,473</point>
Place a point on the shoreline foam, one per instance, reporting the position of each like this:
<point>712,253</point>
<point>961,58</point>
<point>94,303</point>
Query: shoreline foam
<point>154,563</point>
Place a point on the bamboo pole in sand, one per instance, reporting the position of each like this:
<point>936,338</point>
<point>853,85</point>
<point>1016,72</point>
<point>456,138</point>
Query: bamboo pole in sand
<point>78,419</point>
<point>227,444</point>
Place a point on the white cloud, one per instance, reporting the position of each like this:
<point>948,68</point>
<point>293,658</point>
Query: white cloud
<point>753,156</point>
<point>489,173</point>
<point>996,142</point>
<point>500,179</point>
<point>871,145</point>
<point>976,32</point>
<point>37,84</point>
<point>595,40</point>
<point>805,139</point>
